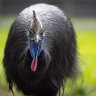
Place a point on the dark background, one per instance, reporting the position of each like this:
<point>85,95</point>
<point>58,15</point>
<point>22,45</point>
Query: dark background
<point>76,8</point>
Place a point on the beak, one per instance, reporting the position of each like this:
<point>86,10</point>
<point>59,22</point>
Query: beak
<point>36,39</point>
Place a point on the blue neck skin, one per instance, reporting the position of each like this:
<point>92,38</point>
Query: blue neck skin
<point>35,49</point>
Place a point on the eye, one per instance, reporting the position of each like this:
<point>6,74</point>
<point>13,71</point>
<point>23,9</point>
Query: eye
<point>41,32</point>
<point>31,32</point>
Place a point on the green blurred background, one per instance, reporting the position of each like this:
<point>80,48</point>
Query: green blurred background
<point>83,16</point>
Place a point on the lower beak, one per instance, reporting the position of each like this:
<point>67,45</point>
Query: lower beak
<point>36,39</point>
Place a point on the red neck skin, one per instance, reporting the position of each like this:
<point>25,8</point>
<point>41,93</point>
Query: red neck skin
<point>34,64</point>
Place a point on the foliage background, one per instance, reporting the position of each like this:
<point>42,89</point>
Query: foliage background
<point>85,27</point>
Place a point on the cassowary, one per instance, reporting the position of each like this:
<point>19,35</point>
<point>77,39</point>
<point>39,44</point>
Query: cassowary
<point>40,51</point>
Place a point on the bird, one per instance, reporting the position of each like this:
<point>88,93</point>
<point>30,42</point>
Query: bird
<point>41,51</point>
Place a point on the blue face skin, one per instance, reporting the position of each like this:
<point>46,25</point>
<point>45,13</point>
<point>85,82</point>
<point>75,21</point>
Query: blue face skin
<point>35,49</point>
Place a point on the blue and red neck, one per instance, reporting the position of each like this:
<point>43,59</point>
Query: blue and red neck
<point>35,50</point>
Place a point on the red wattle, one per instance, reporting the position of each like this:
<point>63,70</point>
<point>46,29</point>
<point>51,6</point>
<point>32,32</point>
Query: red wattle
<point>34,65</point>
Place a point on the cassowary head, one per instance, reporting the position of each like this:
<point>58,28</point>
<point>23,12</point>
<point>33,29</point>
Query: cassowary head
<point>35,35</point>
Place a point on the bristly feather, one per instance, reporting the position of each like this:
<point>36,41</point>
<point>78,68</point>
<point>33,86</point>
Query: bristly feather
<point>56,62</point>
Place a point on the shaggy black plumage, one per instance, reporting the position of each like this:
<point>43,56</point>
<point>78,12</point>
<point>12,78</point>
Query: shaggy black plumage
<point>57,60</point>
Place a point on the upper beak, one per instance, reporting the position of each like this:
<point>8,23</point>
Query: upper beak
<point>36,39</point>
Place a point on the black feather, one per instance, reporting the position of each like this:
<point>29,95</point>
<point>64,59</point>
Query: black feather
<point>57,60</point>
